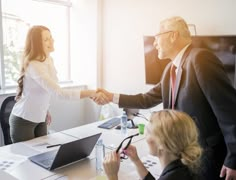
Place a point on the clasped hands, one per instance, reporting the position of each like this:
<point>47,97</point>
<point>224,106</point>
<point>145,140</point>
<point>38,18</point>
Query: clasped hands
<point>102,97</point>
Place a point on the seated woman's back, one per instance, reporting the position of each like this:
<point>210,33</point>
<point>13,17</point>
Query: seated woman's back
<point>176,170</point>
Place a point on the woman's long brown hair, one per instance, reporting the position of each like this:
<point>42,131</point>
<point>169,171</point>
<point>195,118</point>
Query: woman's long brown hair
<point>33,52</point>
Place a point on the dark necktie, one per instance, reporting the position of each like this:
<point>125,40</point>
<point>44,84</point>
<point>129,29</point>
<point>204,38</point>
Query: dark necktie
<point>173,79</point>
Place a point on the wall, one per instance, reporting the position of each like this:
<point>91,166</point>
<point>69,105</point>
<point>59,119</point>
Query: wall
<point>67,114</point>
<point>125,22</point>
<point>85,32</point>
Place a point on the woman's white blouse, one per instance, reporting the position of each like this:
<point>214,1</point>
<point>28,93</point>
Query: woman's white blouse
<point>39,85</point>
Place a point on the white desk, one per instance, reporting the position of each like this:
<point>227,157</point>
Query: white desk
<point>111,137</point>
<point>84,169</point>
<point>28,170</point>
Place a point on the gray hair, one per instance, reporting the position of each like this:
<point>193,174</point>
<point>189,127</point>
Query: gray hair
<point>176,23</point>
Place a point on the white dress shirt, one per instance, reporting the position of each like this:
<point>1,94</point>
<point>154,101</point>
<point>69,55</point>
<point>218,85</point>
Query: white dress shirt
<point>39,85</point>
<point>178,58</point>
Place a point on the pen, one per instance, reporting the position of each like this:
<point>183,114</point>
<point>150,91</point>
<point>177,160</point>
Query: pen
<point>54,145</point>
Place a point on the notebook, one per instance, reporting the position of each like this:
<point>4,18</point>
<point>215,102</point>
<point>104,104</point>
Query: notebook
<point>67,153</point>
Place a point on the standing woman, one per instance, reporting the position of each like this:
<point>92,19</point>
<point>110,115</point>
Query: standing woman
<point>37,83</point>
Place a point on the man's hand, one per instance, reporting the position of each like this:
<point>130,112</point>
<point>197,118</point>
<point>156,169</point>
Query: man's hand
<point>229,174</point>
<point>102,97</point>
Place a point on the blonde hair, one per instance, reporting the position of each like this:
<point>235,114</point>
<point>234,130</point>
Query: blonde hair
<point>33,51</point>
<point>177,133</point>
<point>176,23</point>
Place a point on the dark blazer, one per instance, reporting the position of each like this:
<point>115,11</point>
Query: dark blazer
<point>175,170</point>
<point>204,92</point>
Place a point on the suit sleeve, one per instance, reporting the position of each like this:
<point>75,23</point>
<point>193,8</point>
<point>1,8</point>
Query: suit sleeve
<point>221,96</point>
<point>142,101</point>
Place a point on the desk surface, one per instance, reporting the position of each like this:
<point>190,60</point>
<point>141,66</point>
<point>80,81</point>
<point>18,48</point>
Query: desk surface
<point>84,169</point>
<point>111,138</point>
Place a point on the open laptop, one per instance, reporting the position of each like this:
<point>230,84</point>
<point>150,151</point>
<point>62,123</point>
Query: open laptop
<point>67,153</point>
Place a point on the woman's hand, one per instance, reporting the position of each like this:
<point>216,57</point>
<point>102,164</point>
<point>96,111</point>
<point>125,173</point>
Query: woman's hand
<point>48,118</point>
<point>111,165</point>
<point>100,98</point>
<point>132,153</point>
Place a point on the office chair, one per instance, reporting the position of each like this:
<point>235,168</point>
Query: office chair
<point>5,112</point>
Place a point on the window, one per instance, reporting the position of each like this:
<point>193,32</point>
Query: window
<point>17,18</point>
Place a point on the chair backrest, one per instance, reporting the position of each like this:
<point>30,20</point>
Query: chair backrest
<point>5,112</point>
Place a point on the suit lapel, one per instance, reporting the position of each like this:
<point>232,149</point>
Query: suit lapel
<point>180,70</point>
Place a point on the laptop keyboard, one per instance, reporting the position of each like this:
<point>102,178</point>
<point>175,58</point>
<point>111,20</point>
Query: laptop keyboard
<point>110,123</point>
<point>47,162</point>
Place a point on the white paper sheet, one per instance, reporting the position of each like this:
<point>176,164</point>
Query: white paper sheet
<point>8,161</point>
<point>153,165</point>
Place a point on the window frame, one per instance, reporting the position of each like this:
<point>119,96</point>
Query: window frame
<point>66,3</point>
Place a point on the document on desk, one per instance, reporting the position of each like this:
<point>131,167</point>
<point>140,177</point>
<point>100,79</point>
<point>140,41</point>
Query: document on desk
<point>38,146</point>
<point>8,161</point>
<point>153,165</point>
<point>57,177</point>
<point>41,144</point>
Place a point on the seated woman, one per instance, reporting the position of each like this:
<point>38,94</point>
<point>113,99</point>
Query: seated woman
<point>172,136</point>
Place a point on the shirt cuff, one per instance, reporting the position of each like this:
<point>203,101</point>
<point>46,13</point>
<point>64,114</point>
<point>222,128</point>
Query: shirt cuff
<point>116,98</point>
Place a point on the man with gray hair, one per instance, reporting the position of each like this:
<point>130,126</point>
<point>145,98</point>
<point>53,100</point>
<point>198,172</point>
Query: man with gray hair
<point>194,82</point>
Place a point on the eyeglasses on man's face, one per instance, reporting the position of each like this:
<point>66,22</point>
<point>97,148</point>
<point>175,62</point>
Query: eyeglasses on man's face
<point>162,33</point>
<point>122,154</point>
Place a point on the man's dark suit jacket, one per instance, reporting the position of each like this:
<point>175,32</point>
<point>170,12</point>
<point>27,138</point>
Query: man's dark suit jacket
<point>204,91</point>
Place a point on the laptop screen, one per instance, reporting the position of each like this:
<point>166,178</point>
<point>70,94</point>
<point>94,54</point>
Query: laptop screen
<point>67,153</point>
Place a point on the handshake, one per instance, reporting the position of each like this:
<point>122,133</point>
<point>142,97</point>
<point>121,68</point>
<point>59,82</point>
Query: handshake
<point>102,97</point>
